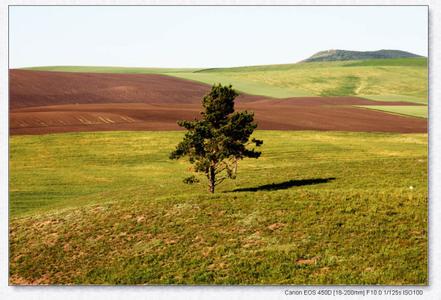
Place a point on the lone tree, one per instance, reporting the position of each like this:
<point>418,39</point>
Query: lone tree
<point>216,142</point>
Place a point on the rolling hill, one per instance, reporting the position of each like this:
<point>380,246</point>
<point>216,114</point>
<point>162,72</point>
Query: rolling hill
<point>399,79</point>
<point>337,55</point>
<point>53,102</point>
<point>389,79</point>
<point>85,98</point>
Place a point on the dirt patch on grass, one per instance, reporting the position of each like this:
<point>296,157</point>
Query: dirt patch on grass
<point>307,261</point>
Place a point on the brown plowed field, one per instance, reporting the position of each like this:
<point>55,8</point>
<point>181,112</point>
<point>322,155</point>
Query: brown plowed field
<point>52,102</point>
<point>40,88</point>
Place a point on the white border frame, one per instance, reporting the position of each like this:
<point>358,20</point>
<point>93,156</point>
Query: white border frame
<point>433,291</point>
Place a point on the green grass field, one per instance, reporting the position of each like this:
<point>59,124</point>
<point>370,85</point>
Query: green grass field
<point>396,98</point>
<point>416,111</point>
<point>405,79</point>
<point>380,79</point>
<point>316,208</point>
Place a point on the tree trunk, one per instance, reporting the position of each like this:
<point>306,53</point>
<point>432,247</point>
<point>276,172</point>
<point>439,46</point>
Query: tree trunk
<point>212,179</point>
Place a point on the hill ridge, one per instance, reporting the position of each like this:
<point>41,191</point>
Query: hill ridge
<point>340,55</point>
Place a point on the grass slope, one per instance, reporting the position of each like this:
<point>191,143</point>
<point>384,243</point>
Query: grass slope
<point>405,79</point>
<point>316,208</point>
<point>338,55</point>
<point>397,98</point>
<point>399,62</point>
<point>416,111</point>
<point>402,79</point>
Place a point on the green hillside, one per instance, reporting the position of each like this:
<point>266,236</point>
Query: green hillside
<point>401,79</point>
<point>341,55</point>
<point>311,210</point>
<point>416,111</point>
<point>416,62</point>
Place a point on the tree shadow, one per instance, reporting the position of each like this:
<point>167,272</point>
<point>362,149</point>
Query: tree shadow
<point>285,185</point>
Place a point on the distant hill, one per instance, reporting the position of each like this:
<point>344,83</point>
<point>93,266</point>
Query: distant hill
<point>338,55</point>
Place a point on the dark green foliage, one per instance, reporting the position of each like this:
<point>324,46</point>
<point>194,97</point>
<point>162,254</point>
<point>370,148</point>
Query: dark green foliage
<point>191,180</point>
<point>216,142</point>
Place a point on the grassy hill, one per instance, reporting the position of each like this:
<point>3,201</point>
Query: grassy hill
<point>416,111</point>
<point>311,210</point>
<point>336,55</point>
<point>402,79</point>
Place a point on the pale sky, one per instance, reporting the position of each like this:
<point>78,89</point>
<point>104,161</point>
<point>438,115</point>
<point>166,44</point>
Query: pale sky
<point>195,36</point>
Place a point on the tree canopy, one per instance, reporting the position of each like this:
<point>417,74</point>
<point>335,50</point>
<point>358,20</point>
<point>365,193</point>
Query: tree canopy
<point>218,140</point>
